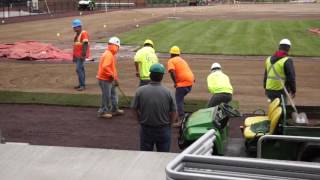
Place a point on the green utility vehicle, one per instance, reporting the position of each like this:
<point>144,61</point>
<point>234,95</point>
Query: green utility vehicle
<point>274,136</point>
<point>291,140</point>
<point>201,121</point>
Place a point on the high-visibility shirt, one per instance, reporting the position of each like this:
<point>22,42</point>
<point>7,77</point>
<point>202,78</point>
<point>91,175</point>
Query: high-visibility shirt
<point>146,57</point>
<point>184,75</point>
<point>218,82</point>
<point>78,44</point>
<point>107,66</point>
<point>273,82</point>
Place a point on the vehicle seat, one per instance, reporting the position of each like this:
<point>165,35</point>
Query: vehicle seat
<point>263,127</point>
<point>255,119</point>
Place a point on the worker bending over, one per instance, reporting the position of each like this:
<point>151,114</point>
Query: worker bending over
<point>182,78</point>
<point>219,85</point>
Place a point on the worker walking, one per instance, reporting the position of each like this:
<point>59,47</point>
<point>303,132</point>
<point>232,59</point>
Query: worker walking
<point>81,51</point>
<point>108,80</point>
<point>182,78</point>
<point>219,85</point>
<point>143,60</point>
<point>156,110</point>
<point>279,67</point>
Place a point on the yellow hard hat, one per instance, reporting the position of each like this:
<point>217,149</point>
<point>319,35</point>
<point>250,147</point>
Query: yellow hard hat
<point>175,50</point>
<point>148,41</point>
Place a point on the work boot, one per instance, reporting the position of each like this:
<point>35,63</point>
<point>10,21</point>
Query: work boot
<point>118,112</point>
<point>76,87</point>
<point>81,88</point>
<point>106,115</point>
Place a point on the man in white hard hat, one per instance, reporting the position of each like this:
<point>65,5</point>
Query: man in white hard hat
<point>143,60</point>
<point>108,80</point>
<point>219,85</point>
<point>279,66</point>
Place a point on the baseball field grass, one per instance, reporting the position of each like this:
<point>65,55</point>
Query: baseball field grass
<point>81,100</point>
<point>228,37</point>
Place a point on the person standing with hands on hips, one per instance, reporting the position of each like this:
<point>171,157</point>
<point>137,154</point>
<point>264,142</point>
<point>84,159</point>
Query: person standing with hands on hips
<point>81,51</point>
<point>108,80</point>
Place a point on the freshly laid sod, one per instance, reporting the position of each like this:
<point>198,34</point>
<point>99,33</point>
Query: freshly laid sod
<point>82,100</point>
<point>230,37</point>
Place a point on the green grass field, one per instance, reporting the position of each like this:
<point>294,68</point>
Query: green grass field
<point>230,37</point>
<point>81,100</point>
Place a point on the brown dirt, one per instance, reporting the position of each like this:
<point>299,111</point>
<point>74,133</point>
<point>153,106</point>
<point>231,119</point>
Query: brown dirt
<point>70,126</point>
<point>245,72</point>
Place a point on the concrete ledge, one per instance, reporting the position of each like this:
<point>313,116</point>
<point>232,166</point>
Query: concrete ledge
<point>48,162</point>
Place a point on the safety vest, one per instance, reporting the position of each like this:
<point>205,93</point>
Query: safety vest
<point>146,57</point>
<point>78,44</point>
<point>273,82</point>
<point>218,82</point>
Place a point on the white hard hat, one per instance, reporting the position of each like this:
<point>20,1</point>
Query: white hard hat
<point>115,41</point>
<point>285,41</point>
<point>215,66</point>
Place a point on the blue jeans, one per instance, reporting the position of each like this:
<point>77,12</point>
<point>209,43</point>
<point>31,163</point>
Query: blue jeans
<point>181,92</point>
<point>158,136</point>
<point>80,71</point>
<point>109,95</point>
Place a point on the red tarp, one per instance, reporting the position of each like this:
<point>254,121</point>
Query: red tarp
<point>31,50</point>
<point>315,30</point>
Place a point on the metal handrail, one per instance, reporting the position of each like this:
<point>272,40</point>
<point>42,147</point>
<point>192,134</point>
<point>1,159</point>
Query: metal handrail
<point>196,162</point>
<point>284,138</point>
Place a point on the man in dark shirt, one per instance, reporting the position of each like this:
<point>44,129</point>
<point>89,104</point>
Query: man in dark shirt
<point>280,66</point>
<point>156,110</point>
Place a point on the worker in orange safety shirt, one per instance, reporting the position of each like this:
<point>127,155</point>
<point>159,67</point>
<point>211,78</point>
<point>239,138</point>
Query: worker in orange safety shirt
<point>81,51</point>
<point>108,80</point>
<point>183,79</point>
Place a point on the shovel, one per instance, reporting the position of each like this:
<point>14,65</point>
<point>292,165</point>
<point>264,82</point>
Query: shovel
<point>299,118</point>
<point>124,95</point>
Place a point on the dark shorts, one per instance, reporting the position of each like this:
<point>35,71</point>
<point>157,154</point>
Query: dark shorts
<point>219,98</point>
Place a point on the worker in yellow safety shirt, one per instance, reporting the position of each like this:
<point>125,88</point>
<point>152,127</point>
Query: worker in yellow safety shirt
<point>279,67</point>
<point>219,85</point>
<point>143,60</point>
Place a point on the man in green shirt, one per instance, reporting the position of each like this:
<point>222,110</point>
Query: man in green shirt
<point>143,60</point>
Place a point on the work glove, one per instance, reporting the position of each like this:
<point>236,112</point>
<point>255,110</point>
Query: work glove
<point>137,74</point>
<point>116,83</point>
<point>292,95</point>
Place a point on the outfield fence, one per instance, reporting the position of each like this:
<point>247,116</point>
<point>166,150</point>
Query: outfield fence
<point>16,8</point>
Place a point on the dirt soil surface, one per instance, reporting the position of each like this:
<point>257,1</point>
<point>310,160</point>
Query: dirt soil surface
<point>246,72</point>
<point>75,127</point>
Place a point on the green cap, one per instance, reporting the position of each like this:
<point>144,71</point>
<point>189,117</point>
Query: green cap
<point>157,68</point>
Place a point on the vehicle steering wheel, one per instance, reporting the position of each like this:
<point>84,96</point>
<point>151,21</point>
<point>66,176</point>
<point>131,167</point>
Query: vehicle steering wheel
<point>230,110</point>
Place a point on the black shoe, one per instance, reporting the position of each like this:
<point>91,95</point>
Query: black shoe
<point>81,88</point>
<point>76,87</point>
